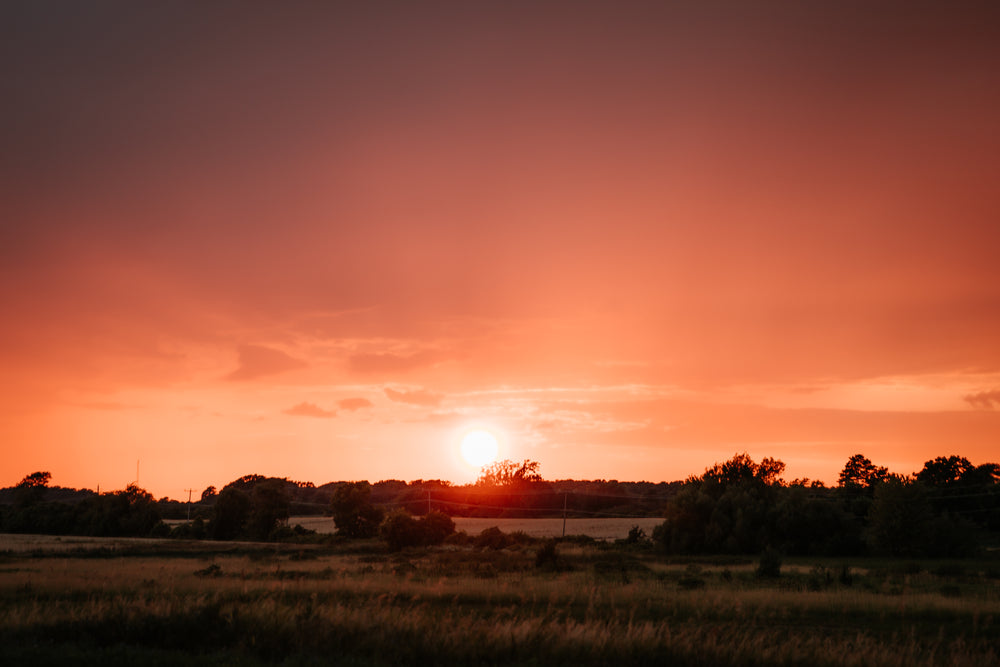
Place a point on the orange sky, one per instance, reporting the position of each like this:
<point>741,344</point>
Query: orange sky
<point>629,239</point>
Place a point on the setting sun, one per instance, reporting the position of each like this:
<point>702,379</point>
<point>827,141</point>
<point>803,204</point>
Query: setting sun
<point>479,448</point>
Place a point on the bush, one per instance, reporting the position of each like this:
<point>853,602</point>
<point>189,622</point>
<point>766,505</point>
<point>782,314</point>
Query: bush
<point>491,538</point>
<point>400,530</point>
<point>769,565</point>
<point>436,527</point>
<point>547,558</point>
<point>691,579</point>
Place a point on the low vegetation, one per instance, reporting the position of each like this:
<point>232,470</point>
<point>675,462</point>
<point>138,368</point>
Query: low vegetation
<point>485,600</point>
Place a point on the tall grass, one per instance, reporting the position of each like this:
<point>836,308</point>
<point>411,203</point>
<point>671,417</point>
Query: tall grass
<point>446,607</point>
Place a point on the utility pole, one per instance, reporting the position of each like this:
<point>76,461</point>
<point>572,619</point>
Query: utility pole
<point>565,495</point>
<point>189,503</point>
<point>428,501</point>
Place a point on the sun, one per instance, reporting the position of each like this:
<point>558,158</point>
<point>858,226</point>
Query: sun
<point>479,448</point>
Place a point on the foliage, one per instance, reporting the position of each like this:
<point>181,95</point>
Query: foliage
<point>860,472</point>
<point>353,512</point>
<point>508,473</point>
<point>898,518</point>
<point>31,489</point>
<point>128,512</point>
<point>232,508</point>
<point>268,509</point>
<point>547,557</point>
<point>400,530</point>
<point>741,468</point>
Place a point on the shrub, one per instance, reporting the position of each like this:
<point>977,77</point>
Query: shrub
<point>491,538</point>
<point>691,579</point>
<point>435,527</point>
<point>547,558</point>
<point>769,565</point>
<point>400,530</point>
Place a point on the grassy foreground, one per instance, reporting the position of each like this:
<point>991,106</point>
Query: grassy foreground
<point>355,604</point>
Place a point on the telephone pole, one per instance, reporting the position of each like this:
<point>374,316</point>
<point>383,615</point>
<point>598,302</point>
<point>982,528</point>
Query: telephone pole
<point>565,496</point>
<point>190,491</point>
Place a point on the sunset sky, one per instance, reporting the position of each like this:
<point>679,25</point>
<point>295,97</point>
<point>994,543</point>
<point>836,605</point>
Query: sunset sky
<point>322,241</point>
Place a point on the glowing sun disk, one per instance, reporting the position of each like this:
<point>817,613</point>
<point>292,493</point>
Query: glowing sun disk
<point>479,448</point>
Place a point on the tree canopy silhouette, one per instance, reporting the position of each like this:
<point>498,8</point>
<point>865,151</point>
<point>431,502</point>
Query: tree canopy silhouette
<point>508,473</point>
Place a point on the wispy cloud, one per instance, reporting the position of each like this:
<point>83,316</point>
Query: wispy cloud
<point>309,410</point>
<point>417,397</point>
<point>257,361</point>
<point>986,400</point>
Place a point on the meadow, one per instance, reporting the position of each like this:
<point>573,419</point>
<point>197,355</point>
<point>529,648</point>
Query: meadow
<point>573,602</point>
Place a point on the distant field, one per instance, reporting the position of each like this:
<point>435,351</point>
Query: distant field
<point>599,529</point>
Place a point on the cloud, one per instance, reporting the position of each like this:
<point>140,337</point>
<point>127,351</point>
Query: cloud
<point>986,400</point>
<point>419,397</point>
<point>391,363</point>
<point>257,361</point>
<point>354,403</point>
<point>309,410</point>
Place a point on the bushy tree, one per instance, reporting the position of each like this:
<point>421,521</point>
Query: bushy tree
<point>232,507</point>
<point>401,530</point>
<point>269,503</point>
<point>31,490</point>
<point>508,473</point>
<point>860,473</point>
<point>897,522</point>
<point>742,468</point>
<point>128,512</point>
<point>354,515</point>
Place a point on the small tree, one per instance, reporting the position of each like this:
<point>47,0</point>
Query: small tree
<point>860,472</point>
<point>232,507</point>
<point>268,507</point>
<point>353,512</point>
<point>400,530</point>
<point>31,489</point>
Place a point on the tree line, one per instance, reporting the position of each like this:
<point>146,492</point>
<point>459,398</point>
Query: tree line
<point>948,508</point>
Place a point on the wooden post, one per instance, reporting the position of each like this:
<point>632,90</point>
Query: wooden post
<point>564,514</point>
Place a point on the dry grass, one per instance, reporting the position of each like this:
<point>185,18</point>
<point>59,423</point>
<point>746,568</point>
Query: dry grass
<point>459,607</point>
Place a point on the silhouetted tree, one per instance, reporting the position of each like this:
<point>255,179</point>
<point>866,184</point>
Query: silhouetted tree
<point>860,472</point>
<point>353,512</point>
<point>508,473</point>
<point>128,512</point>
<point>232,507</point>
<point>31,490</point>
<point>401,530</point>
<point>268,507</point>
<point>898,518</point>
<point>945,471</point>
<point>742,468</point>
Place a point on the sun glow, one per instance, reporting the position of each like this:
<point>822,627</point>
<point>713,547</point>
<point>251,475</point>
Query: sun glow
<point>479,448</point>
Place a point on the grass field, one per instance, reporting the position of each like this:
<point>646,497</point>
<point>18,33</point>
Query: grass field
<point>162,602</point>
